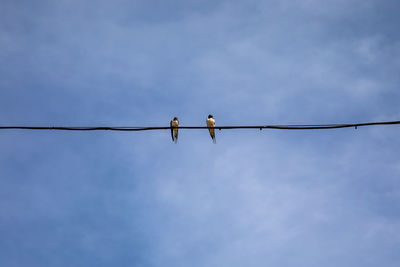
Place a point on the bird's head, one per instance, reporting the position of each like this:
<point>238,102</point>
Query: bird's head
<point>210,116</point>
<point>175,118</point>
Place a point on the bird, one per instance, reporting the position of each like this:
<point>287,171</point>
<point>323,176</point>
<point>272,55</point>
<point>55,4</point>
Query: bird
<point>211,123</point>
<point>174,131</point>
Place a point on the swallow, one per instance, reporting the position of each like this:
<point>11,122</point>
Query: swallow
<point>211,123</point>
<point>174,131</point>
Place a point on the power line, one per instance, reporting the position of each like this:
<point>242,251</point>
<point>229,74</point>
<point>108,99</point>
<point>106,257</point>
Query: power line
<point>151,128</point>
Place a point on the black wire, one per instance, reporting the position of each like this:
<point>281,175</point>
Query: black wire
<point>136,128</point>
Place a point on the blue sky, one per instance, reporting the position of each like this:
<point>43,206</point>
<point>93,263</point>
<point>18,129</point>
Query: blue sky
<point>269,198</point>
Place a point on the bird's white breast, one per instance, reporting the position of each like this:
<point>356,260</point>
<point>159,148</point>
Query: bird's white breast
<point>210,122</point>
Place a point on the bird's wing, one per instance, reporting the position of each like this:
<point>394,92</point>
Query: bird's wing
<point>172,131</point>
<point>211,123</point>
<point>213,130</point>
<point>212,133</point>
<point>176,131</point>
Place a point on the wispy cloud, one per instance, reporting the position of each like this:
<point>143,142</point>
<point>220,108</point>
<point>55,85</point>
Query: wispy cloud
<point>304,198</point>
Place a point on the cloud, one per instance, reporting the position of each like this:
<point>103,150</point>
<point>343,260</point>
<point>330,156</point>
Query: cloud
<point>306,198</point>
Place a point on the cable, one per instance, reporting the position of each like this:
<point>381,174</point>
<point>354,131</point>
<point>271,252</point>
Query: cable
<point>136,128</point>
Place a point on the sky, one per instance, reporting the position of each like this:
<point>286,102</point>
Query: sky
<point>255,198</point>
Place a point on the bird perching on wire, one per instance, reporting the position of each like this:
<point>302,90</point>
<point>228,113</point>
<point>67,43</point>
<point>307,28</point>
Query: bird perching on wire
<point>174,131</point>
<point>211,123</point>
